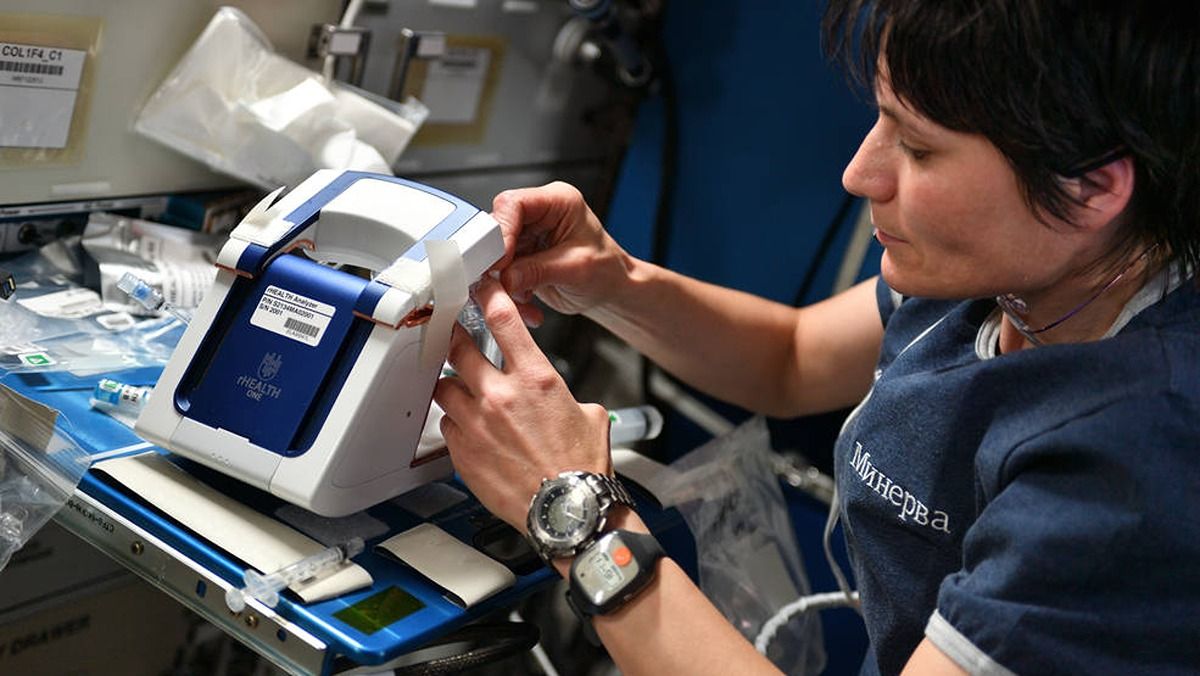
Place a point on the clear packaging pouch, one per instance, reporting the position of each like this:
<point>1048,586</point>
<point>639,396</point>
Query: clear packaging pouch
<point>239,107</point>
<point>84,353</point>
<point>40,466</point>
<point>176,261</point>
<point>52,323</point>
<point>728,493</point>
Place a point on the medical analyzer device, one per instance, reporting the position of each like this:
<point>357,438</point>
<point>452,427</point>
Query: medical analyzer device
<point>311,382</point>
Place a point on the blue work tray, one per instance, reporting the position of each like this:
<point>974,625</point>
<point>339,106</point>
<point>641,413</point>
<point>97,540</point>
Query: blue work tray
<point>102,437</point>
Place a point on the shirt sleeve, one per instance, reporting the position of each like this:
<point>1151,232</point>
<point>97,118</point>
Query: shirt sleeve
<point>1087,557</point>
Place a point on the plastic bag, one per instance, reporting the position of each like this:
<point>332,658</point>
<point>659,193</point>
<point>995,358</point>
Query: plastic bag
<point>148,343</point>
<point>242,109</point>
<point>40,466</point>
<point>175,261</point>
<point>49,305</point>
<point>53,323</point>
<point>750,567</point>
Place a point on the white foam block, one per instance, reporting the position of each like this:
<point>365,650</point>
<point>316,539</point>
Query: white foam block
<point>466,574</point>
<point>257,539</point>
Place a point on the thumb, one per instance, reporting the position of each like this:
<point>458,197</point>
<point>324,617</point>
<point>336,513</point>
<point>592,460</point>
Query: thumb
<point>545,268</point>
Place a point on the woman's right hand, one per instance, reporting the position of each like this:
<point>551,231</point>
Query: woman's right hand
<point>556,248</point>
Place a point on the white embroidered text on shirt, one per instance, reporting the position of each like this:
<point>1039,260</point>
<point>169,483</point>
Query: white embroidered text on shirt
<point>910,506</point>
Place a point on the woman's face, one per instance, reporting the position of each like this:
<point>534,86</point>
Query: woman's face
<point>948,211</point>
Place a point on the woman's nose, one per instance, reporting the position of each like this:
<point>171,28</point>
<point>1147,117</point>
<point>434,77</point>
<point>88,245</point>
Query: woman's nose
<point>870,173</point>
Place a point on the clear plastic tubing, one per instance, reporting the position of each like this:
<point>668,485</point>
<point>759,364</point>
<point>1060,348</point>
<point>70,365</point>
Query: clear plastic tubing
<point>113,395</point>
<point>266,588</point>
<point>627,425</point>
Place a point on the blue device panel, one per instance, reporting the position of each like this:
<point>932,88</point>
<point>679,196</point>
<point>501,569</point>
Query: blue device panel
<point>264,374</point>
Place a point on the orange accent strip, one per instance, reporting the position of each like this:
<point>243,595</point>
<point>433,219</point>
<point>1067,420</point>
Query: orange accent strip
<point>239,273</point>
<point>417,317</point>
<point>371,319</point>
<point>301,244</point>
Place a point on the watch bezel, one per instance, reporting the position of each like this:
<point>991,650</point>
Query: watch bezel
<point>549,540</point>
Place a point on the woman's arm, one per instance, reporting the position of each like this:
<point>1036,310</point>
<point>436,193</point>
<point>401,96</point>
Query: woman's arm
<point>671,628</point>
<point>762,355</point>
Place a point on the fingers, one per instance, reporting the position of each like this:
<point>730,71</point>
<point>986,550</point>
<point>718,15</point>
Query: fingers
<point>466,359</point>
<point>508,214</point>
<point>451,432</point>
<point>452,395</point>
<point>505,322</point>
<point>527,215</point>
<point>531,314</point>
<point>536,208</point>
<point>565,265</point>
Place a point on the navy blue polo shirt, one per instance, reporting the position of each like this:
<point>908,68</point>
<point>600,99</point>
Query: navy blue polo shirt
<point>1035,512</point>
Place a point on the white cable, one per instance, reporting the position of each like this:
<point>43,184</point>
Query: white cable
<point>827,543</point>
<point>688,406</point>
<point>804,603</point>
<point>856,251</point>
<point>348,18</point>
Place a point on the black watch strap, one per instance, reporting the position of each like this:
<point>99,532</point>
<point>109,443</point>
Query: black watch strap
<point>643,551</point>
<point>585,622</point>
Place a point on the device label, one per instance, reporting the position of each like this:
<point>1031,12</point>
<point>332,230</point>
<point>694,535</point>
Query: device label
<point>38,86</point>
<point>291,315</point>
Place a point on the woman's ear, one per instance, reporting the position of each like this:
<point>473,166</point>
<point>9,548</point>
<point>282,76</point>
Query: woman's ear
<point>1103,193</point>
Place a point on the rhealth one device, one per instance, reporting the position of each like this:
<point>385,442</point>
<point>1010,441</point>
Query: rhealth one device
<point>305,379</point>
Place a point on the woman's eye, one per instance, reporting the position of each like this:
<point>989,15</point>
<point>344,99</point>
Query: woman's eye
<point>915,153</point>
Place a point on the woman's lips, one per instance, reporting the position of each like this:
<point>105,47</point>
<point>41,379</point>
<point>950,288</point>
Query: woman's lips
<point>885,239</point>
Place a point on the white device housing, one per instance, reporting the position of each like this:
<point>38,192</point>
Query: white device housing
<point>367,448</point>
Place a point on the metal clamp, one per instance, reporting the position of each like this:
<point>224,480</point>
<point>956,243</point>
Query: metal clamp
<point>327,39</point>
<point>413,46</point>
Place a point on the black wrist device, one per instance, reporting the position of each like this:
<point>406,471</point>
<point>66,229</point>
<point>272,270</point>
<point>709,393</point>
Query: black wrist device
<point>611,571</point>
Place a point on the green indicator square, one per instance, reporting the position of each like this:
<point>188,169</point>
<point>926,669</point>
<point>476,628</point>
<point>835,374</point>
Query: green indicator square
<point>376,612</point>
<point>36,359</point>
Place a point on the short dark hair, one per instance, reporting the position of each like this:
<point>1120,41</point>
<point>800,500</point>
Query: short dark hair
<point>1058,86</point>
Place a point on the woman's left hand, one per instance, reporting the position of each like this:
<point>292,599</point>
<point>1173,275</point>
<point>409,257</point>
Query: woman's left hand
<point>509,428</point>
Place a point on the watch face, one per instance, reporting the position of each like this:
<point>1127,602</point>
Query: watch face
<point>609,572</point>
<point>601,576</point>
<point>564,514</point>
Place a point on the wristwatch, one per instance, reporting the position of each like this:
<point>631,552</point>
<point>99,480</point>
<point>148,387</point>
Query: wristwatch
<point>611,571</point>
<point>569,511</point>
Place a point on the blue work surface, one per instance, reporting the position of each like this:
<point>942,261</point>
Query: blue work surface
<point>103,437</point>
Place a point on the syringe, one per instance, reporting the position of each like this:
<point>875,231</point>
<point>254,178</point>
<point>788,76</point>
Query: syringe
<point>266,588</point>
<point>149,297</point>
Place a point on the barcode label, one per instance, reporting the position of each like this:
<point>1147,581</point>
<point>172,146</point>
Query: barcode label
<point>40,66</point>
<point>292,315</point>
<point>306,329</point>
<point>38,88</point>
<point>35,68</point>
